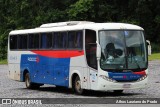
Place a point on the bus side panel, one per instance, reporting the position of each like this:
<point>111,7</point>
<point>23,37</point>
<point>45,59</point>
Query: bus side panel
<point>93,79</point>
<point>47,70</point>
<point>23,67</point>
<point>61,76</point>
<point>28,62</point>
<point>78,66</point>
<point>86,79</point>
<point>14,67</point>
<point>14,72</point>
<point>11,71</point>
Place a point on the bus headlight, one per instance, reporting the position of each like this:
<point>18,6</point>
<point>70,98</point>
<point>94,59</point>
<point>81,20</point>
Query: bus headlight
<point>142,78</point>
<point>107,78</point>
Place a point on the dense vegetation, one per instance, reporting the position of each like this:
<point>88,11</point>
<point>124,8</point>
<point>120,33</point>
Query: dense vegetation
<point>23,14</point>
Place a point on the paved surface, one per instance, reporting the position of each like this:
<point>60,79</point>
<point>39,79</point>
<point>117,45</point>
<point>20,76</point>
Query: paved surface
<point>14,89</point>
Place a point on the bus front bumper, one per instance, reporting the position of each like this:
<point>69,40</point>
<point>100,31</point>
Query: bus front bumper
<point>104,85</point>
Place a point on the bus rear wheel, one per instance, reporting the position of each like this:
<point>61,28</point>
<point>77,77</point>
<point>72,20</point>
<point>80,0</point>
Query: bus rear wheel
<point>77,86</point>
<point>29,84</point>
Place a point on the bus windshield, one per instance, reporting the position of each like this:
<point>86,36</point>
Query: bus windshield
<point>123,50</point>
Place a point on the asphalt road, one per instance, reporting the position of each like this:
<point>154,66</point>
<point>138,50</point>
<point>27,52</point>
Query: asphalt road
<point>14,89</point>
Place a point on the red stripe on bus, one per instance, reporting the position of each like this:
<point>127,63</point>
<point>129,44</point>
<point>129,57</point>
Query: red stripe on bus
<point>59,53</point>
<point>140,73</point>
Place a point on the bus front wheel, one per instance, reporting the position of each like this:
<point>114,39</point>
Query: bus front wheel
<point>29,84</point>
<point>77,86</point>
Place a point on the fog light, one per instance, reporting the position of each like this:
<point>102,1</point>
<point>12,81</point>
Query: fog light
<point>142,78</point>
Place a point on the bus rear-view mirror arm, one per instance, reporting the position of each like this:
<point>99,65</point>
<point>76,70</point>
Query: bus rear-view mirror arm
<point>98,51</point>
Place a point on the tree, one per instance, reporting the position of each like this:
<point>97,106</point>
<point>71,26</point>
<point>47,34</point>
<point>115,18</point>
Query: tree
<point>24,14</point>
<point>82,10</point>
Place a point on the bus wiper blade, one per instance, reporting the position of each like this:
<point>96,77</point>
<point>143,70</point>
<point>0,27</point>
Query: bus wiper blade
<point>137,65</point>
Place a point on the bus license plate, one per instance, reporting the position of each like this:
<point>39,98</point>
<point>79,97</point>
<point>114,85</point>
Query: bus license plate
<point>126,85</point>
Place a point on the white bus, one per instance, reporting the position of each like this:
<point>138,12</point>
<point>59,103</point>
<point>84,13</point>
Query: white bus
<point>80,55</point>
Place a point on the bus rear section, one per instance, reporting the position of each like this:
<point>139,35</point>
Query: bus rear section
<point>46,61</point>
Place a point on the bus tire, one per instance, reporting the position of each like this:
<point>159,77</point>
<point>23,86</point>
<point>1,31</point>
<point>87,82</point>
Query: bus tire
<point>77,86</point>
<point>118,92</point>
<point>29,84</point>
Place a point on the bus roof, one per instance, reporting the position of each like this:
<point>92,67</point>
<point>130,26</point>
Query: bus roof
<point>76,25</point>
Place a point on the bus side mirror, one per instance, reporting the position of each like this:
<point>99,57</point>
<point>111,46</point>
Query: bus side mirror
<point>149,47</point>
<point>98,51</point>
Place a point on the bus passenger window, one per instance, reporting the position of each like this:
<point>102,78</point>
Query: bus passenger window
<point>33,41</point>
<point>90,46</point>
<point>46,40</point>
<point>13,42</point>
<point>75,39</point>
<point>71,38</point>
<point>22,41</point>
<point>79,40</point>
<point>55,40</point>
<point>60,40</point>
<point>43,41</point>
<point>64,39</point>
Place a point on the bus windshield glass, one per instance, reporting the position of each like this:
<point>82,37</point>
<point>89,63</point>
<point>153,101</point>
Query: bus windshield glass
<point>123,50</point>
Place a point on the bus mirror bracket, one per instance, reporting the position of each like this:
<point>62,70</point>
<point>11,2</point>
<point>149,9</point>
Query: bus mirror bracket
<point>98,51</point>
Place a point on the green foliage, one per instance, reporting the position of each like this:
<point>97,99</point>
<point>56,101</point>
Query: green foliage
<point>81,10</point>
<point>24,14</point>
<point>4,61</point>
<point>154,56</point>
<point>155,48</point>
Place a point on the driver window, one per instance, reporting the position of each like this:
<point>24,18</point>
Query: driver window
<point>90,46</point>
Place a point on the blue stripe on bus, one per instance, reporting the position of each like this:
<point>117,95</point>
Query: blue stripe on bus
<point>128,76</point>
<point>46,70</point>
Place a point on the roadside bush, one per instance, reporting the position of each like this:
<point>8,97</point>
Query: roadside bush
<point>155,48</point>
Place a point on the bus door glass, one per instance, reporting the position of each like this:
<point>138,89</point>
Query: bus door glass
<point>90,46</point>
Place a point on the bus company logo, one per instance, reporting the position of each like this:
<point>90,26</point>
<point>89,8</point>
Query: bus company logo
<point>124,76</point>
<point>34,59</point>
<point>119,77</point>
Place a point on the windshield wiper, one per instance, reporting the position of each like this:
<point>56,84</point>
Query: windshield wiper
<point>138,65</point>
